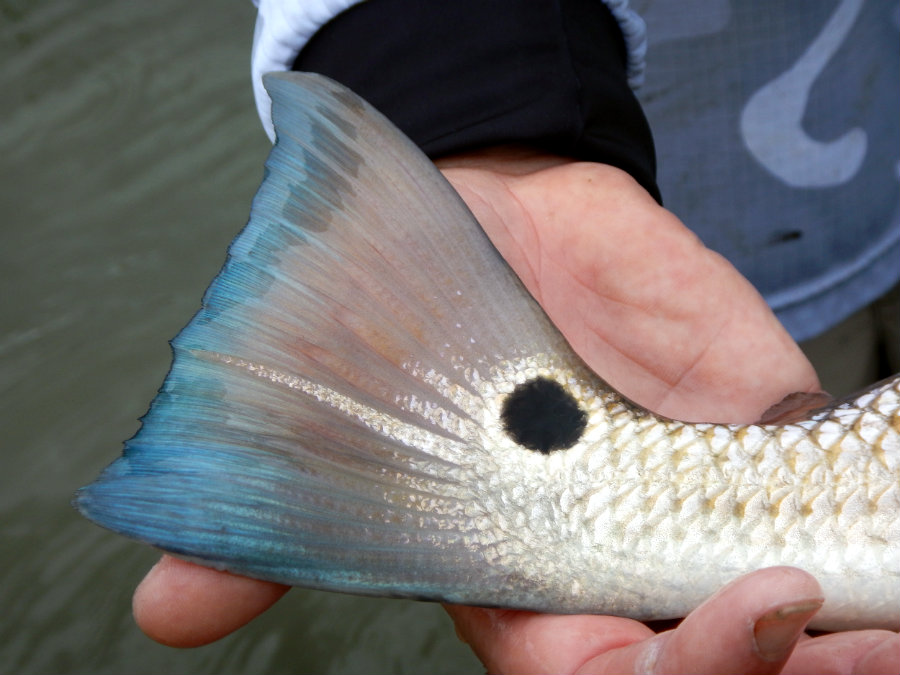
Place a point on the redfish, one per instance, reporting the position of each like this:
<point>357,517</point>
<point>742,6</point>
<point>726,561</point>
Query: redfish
<point>369,401</point>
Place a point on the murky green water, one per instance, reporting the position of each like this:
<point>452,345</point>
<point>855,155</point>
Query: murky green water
<point>129,152</point>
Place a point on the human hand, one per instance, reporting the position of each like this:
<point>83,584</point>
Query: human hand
<point>674,327</point>
<point>670,325</point>
<point>752,626</point>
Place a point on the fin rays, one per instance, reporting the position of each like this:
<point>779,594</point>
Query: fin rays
<point>322,421</point>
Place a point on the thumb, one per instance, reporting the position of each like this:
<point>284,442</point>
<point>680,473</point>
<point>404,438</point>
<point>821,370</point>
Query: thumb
<point>750,626</point>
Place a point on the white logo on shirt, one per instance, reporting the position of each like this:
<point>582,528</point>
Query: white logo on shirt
<point>771,122</point>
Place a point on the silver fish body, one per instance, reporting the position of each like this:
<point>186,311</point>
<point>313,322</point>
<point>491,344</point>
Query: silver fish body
<point>646,517</point>
<point>347,412</point>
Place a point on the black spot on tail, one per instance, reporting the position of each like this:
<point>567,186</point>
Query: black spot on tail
<point>541,415</point>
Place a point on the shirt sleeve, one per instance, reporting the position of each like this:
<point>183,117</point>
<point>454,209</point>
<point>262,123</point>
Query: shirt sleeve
<point>460,75</point>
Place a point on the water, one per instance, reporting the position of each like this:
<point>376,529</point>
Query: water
<point>130,151</point>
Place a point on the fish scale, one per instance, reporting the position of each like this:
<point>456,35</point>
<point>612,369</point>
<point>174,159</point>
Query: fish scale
<point>337,416</point>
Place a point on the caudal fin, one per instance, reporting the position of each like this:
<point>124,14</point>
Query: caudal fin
<point>325,417</point>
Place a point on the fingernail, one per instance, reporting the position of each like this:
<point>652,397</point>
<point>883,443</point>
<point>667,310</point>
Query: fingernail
<point>776,631</point>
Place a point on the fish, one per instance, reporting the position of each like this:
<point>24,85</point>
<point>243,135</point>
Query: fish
<point>369,401</point>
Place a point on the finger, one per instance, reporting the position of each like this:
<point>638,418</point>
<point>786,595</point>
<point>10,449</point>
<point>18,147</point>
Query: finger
<point>181,604</point>
<point>751,626</point>
<point>869,652</point>
<point>518,642</point>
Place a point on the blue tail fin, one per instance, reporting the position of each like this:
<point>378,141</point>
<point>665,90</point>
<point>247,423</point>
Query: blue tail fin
<point>324,420</point>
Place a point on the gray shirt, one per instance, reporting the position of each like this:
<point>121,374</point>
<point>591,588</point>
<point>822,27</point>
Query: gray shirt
<point>776,128</point>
